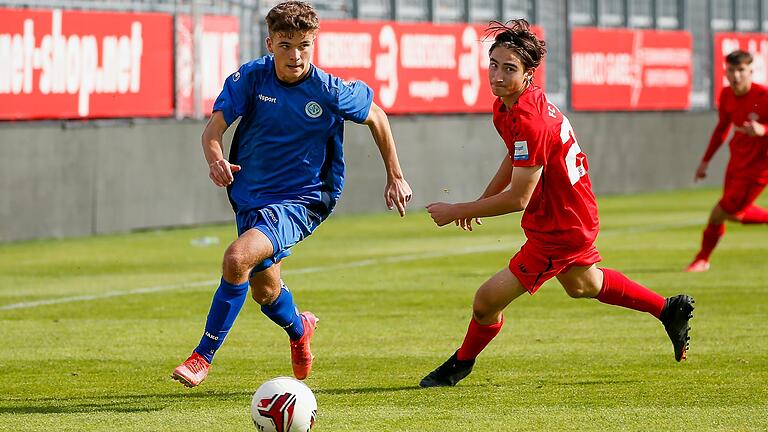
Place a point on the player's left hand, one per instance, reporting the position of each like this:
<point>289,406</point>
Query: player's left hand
<point>466,223</point>
<point>751,128</point>
<point>442,213</point>
<point>397,193</point>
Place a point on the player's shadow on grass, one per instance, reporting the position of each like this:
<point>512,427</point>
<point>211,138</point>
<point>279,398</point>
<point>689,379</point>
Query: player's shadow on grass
<point>364,390</point>
<point>115,407</point>
<point>117,403</point>
<point>596,382</point>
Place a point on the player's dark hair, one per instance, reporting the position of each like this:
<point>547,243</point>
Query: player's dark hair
<point>738,57</point>
<point>291,17</point>
<point>517,36</point>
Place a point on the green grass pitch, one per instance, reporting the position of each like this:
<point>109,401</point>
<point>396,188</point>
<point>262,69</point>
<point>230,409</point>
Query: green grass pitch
<point>393,297</point>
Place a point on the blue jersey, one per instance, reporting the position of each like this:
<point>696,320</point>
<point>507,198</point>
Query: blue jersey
<point>289,140</point>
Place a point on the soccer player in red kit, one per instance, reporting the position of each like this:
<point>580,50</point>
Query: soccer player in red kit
<point>745,106</point>
<point>544,175</point>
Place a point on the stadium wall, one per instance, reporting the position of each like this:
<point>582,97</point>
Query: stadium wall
<point>76,179</point>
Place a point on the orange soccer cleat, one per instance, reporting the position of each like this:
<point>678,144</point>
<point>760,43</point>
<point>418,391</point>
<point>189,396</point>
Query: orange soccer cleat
<point>193,371</point>
<point>698,266</point>
<point>301,356</point>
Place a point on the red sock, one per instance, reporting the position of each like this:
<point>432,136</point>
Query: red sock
<point>477,338</point>
<point>709,240</point>
<point>619,290</point>
<point>754,215</point>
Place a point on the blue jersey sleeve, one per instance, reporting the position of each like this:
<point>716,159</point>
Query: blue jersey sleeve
<point>234,99</point>
<point>355,100</point>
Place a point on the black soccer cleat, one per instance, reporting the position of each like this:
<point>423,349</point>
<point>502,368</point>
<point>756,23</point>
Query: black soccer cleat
<point>448,373</point>
<point>677,311</point>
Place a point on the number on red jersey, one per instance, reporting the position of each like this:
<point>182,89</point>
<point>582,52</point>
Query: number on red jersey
<point>574,159</point>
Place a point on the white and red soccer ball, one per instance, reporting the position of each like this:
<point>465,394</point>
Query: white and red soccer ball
<point>284,405</point>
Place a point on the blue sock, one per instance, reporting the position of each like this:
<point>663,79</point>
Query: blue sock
<point>226,304</point>
<point>285,314</point>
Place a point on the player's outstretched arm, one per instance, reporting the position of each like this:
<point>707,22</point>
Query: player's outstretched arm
<point>524,181</point>
<point>397,192</point>
<point>220,170</point>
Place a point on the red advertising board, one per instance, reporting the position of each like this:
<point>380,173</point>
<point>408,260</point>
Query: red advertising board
<point>58,64</point>
<point>630,69</point>
<point>725,43</point>
<point>220,56</point>
<point>412,68</point>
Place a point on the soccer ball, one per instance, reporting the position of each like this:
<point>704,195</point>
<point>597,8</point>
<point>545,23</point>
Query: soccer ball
<point>283,405</point>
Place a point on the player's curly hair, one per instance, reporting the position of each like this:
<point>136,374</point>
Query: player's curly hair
<point>517,36</point>
<point>292,16</point>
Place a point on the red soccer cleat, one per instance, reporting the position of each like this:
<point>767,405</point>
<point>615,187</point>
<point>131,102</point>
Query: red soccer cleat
<point>193,371</point>
<point>301,356</point>
<point>698,266</point>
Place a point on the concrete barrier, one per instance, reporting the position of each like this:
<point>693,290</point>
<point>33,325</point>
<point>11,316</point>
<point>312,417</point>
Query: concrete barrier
<point>75,179</point>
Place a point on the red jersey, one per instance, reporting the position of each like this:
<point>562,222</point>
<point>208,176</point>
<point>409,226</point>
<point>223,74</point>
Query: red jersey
<point>562,210</point>
<point>749,155</point>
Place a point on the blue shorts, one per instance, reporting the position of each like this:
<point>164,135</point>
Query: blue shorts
<point>285,224</point>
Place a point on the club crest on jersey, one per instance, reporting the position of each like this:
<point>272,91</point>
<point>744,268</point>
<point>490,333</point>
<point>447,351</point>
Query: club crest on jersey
<point>521,150</point>
<point>236,76</point>
<point>313,109</point>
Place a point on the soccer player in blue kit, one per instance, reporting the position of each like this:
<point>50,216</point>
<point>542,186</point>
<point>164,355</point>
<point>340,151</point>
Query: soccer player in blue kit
<point>284,175</point>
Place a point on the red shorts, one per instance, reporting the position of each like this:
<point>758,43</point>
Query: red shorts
<point>738,194</point>
<point>533,265</point>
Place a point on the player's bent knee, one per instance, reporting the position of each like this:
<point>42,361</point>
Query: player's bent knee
<point>580,290</point>
<point>575,293</point>
<point>484,313</point>
<point>720,215</point>
<point>236,264</point>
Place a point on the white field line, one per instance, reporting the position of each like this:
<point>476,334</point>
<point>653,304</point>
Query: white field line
<point>511,246</point>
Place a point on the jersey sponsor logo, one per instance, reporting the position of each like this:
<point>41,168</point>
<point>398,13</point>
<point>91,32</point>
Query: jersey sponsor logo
<point>268,98</point>
<point>521,150</point>
<point>236,76</point>
<point>313,109</point>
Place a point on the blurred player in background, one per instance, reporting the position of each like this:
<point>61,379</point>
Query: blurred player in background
<point>744,105</point>
<point>284,174</point>
<point>544,175</point>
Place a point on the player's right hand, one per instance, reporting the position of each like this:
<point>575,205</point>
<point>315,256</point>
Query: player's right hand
<point>441,213</point>
<point>701,171</point>
<point>221,172</point>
